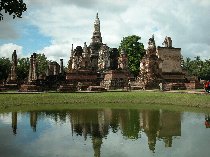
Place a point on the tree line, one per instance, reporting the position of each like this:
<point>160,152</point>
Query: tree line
<point>22,67</point>
<point>197,67</point>
<point>130,44</point>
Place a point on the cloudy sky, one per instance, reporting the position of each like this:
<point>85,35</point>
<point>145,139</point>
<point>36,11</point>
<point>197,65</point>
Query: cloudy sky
<point>51,26</point>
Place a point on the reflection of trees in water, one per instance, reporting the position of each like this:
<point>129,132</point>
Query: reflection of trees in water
<point>57,115</point>
<point>33,121</point>
<point>129,123</point>
<point>96,124</point>
<point>154,123</point>
<point>114,122</point>
<point>93,123</point>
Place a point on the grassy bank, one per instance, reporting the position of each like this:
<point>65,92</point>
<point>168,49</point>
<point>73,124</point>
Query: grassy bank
<point>138,99</point>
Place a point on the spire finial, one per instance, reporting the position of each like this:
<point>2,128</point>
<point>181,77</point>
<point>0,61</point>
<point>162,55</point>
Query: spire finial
<point>97,15</point>
<point>72,50</point>
<point>97,18</point>
<point>97,23</point>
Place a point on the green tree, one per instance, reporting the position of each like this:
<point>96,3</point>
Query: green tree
<point>42,63</point>
<point>135,51</point>
<point>206,70</point>
<point>5,66</point>
<point>12,7</point>
<point>24,63</point>
<point>130,127</point>
<point>197,67</point>
<point>22,69</point>
<point>186,64</point>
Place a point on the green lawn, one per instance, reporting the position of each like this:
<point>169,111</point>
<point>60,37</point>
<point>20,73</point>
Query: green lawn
<point>137,99</point>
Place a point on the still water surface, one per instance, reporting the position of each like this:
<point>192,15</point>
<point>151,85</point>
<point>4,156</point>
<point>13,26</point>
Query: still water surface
<point>105,133</point>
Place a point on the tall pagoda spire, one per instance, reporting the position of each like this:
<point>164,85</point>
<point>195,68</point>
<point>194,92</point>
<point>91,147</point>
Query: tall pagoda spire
<point>72,50</point>
<point>96,33</point>
<point>97,24</point>
<point>96,44</point>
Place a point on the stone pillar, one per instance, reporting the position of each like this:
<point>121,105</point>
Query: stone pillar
<point>61,66</point>
<point>85,50</point>
<point>54,69</point>
<point>14,67</point>
<point>34,67</point>
<point>72,50</point>
<point>70,62</point>
<point>30,69</point>
<point>12,78</point>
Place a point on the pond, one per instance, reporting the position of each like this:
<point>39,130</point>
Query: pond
<point>104,133</point>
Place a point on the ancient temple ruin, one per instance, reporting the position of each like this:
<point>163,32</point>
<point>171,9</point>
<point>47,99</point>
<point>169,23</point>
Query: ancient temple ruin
<point>94,57</point>
<point>170,65</point>
<point>149,66</point>
<point>53,68</point>
<point>96,64</point>
<point>117,78</point>
<point>161,65</point>
<point>31,84</point>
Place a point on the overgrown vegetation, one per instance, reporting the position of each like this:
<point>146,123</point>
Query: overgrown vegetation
<point>135,51</point>
<point>5,65</point>
<point>197,67</point>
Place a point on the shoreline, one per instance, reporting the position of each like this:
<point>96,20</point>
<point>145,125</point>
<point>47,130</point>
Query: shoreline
<point>197,99</point>
<point>193,91</point>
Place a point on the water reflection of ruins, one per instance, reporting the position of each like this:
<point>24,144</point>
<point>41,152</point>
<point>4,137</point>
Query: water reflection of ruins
<point>97,124</point>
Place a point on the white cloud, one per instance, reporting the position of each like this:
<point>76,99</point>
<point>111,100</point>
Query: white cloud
<point>71,22</point>
<point>9,32</point>
<point>6,50</point>
<point>57,51</point>
<point>198,49</point>
<point>8,28</point>
<point>203,3</point>
<point>6,118</point>
<point>184,21</point>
